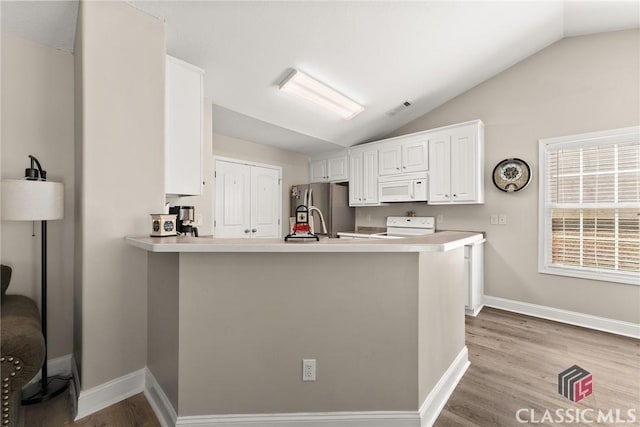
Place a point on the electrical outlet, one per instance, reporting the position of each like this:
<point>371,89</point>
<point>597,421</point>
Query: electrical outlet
<point>502,219</point>
<point>494,219</point>
<point>308,369</point>
<point>440,219</point>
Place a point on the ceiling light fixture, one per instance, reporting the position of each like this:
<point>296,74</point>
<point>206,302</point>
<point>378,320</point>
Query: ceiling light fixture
<point>305,86</point>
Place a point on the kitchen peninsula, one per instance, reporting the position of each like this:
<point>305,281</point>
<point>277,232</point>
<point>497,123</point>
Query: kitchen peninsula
<point>230,320</point>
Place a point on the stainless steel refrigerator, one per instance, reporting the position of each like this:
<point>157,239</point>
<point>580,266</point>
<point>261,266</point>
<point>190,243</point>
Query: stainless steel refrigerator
<point>332,199</point>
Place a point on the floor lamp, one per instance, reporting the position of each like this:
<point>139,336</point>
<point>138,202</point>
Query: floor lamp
<point>36,199</point>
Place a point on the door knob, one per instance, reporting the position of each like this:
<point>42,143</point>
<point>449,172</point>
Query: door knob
<point>246,230</point>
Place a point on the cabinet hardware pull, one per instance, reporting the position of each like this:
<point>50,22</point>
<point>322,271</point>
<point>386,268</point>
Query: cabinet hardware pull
<point>404,167</point>
<point>253,230</point>
<point>246,230</point>
<point>455,195</point>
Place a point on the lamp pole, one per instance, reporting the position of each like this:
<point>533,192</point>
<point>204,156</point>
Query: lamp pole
<point>48,387</point>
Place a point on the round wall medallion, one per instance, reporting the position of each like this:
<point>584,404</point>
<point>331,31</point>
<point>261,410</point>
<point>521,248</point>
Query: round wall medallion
<point>511,175</point>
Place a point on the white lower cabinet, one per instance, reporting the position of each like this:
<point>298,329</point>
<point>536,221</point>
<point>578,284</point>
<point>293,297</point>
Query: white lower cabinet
<point>363,177</point>
<point>474,271</point>
<point>248,200</point>
<point>456,164</point>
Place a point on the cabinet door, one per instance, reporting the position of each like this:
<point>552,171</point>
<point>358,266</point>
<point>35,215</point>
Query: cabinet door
<point>464,173</point>
<point>355,179</point>
<point>183,128</point>
<point>370,177</point>
<point>415,156</point>
<point>337,169</point>
<point>233,201</point>
<point>439,169</point>
<point>265,202</point>
<point>389,160</point>
<point>318,171</point>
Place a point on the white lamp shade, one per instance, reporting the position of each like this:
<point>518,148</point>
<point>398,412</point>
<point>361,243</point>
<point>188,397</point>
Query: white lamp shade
<point>24,200</point>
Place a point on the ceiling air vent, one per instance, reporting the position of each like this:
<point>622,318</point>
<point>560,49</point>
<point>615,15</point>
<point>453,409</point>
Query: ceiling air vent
<point>399,108</point>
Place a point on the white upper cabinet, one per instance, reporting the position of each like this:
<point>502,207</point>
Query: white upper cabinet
<point>415,155</point>
<point>403,154</point>
<point>183,128</point>
<point>456,169</point>
<point>363,177</point>
<point>338,168</point>
<point>318,171</point>
<point>390,159</point>
<point>329,167</point>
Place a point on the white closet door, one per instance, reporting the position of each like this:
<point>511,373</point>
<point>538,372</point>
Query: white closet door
<point>233,201</point>
<point>265,202</point>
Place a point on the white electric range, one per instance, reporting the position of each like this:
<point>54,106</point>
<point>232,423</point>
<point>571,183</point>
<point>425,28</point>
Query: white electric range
<point>399,227</point>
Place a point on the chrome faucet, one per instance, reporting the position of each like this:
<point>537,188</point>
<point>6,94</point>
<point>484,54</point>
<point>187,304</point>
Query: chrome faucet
<point>313,209</point>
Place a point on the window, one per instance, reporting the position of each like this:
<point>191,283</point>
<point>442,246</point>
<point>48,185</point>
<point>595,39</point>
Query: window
<point>590,206</point>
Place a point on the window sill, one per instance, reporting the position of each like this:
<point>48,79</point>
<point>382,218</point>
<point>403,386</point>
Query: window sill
<point>580,273</point>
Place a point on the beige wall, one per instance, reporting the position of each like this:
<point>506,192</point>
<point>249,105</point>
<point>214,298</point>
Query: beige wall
<point>441,324</point>
<point>37,119</point>
<point>295,170</point>
<point>122,63</point>
<point>244,332</point>
<point>162,332</point>
<point>577,85</point>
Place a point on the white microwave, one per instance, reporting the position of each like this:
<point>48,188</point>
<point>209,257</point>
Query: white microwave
<point>403,188</point>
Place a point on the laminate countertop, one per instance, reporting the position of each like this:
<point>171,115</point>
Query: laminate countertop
<point>442,241</point>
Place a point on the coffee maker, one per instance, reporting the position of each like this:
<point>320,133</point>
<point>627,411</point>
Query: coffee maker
<point>185,220</point>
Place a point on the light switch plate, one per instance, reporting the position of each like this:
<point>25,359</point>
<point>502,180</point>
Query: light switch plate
<point>494,219</point>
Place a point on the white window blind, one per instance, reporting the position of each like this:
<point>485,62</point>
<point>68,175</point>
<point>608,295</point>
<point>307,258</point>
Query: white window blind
<point>590,205</point>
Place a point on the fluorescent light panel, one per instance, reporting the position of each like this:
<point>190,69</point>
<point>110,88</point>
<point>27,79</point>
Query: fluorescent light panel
<point>305,86</point>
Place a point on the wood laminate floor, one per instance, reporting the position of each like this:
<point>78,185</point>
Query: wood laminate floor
<point>132,412</point>
<point>515,361</point>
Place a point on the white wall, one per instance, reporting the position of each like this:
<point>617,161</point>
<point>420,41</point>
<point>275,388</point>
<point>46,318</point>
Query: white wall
<point>576,85</point>
<point>121,169</point>
<point>37,119</point>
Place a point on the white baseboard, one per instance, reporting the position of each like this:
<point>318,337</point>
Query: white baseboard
<point>114,391</point>
<point>309,419</point>
<point>435,401</point>
<point>425,417</point>
<point>159,401</point>
<point>473,312</point>
<point>571,317</point>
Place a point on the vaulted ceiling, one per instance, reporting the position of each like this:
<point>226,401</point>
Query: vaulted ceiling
<point>380,54</point>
